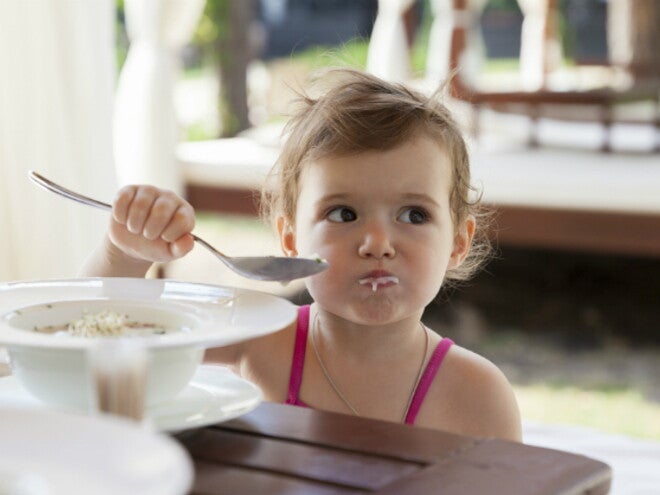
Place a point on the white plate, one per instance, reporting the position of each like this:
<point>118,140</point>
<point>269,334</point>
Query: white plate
<point>214,395</point>
<point>220,315</point>
<point>51,453</point>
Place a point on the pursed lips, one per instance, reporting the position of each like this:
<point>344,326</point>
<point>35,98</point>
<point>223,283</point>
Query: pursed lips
<point>378,279</point>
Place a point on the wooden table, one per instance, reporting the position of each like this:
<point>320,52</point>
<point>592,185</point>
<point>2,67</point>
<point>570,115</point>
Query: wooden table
<point>279,449</point>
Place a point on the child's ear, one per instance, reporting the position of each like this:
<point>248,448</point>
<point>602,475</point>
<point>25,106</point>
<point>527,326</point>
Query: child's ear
<point>462,242</point>
<point>287,236</point>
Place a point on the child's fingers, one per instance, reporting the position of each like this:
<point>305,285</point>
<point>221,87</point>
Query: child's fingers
<point>140,208</point>
<point>160,215</point>
<point>152,224</point>
<point>122,203</point>
<point>182,222</point>
<point>181,246</point>
<point>138,247</point>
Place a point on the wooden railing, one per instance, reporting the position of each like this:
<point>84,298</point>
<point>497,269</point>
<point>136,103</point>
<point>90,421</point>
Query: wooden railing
<point>455,47</point>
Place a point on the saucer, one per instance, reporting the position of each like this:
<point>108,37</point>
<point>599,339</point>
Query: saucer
<point>213,395</point>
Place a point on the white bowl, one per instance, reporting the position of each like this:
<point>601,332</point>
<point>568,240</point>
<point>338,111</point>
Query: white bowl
<point>60,375</point>
<point>53,367</point>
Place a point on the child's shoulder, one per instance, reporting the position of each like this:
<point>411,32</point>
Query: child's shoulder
<point>468,366</point>
<point>474,396</point>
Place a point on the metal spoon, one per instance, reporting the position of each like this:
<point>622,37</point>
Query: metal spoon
<point>272,268</point>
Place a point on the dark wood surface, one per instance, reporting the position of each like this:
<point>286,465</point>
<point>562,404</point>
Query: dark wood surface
<point>279,449</point>
<point>603,232</point>
<point>223,199</point>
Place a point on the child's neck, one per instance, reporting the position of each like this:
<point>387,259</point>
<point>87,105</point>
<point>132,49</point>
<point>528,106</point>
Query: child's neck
<point>359,341</point>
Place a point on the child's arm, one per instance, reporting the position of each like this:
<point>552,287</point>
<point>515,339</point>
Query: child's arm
<point>147,225</point>
<point>500,415</point>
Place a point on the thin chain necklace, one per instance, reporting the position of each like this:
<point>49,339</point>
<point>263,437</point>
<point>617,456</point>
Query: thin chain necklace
<point>336,388</point>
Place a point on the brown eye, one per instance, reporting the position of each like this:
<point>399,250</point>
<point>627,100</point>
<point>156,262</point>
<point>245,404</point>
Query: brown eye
<point>342,214</point>
<point>414,215</point>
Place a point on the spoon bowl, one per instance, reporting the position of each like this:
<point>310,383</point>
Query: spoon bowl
<point>265,268</point>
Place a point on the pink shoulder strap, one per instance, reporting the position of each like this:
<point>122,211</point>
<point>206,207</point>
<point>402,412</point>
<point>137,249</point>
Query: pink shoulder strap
<point>298,361</point>
<point>427,378</point>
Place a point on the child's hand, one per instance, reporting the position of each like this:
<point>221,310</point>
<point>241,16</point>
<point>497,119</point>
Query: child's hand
<point>151,224</point>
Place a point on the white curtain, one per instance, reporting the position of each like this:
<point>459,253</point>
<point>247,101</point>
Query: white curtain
<point>532,43</point>
<point>439,49</point>
<point>473,59</point>
<point>145,125</point>
<point>58,70</point>
<point>388,56</point>
<point>445,20</point>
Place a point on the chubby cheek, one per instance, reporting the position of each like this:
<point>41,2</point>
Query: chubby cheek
<point>427,273</point>
<point>428,285</point>
<point>322,289</point>
<point>333,282</point>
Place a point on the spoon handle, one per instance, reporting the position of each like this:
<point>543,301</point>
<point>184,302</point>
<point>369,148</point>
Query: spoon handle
<point>257,267</point>
<point>41,181</point>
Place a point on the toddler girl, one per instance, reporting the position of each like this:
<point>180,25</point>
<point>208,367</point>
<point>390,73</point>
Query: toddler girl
<point>373,177</point>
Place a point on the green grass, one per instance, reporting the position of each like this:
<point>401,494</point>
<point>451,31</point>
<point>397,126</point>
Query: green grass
<point>494,65</point>
<point>198,71</point>
<point>350,54</point>
<point>199,131</point>
<point>612,410</point>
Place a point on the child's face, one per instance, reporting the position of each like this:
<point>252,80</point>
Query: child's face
<point>382,219</point>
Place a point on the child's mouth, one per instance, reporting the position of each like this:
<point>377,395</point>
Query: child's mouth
<point>375,282</point>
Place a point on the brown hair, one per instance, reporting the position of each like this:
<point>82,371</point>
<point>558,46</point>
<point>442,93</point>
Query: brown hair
<point>360,112</point>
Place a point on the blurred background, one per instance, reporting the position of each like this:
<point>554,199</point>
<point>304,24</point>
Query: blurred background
<point>558,98</point>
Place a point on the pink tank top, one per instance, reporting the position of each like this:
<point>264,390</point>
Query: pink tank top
<point>298,364</point>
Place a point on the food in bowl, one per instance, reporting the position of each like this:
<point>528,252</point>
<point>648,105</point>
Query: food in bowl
<point>59,374</point>
<point>101,318</point>
<point>106,323</point>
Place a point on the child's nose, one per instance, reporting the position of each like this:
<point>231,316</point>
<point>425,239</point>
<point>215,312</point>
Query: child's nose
<point>376,243</point>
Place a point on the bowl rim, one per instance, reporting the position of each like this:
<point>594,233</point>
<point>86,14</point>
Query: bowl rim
<point>224,315</point>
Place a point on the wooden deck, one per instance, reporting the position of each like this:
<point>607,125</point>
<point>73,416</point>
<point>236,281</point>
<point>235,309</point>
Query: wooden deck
<point>570,199</point>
